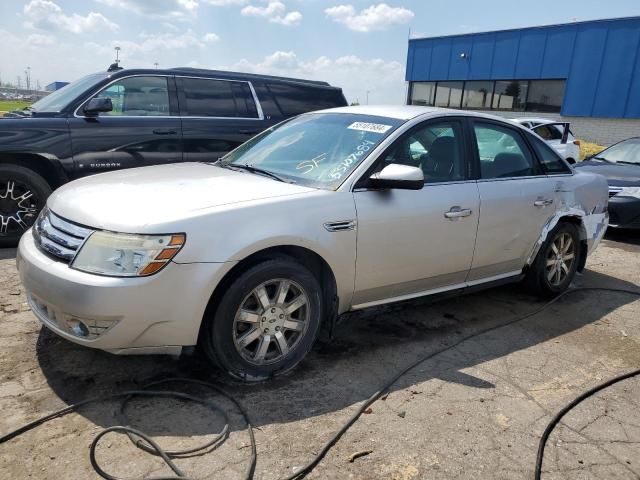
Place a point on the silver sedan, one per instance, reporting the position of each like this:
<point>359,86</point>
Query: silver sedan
<point>250,256</point>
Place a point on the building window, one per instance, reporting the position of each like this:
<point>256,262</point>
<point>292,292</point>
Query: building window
<point>545,96</point>
<point>510,95</point>
<point>477,95</point>
<point>423,93</point>
<point>449,94</point>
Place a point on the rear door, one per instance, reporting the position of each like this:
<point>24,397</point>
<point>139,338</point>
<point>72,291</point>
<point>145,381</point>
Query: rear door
<point>142,129</point>
<point>516,201</point>
<point>217,116</point>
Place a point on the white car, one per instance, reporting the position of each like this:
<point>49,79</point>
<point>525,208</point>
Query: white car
<point>553,132</point>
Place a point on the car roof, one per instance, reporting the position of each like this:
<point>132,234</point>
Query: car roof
<point>408,112</point>
<point>535,120</point>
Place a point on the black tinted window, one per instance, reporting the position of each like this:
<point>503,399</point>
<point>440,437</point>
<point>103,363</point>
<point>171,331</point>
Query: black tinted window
<point>295,99</point>
<point>477,95</point>
<point>138,96</point>
<point>549,158</point>
<point>216,98</point>
<point>545,95</point>
<point>503,152</point>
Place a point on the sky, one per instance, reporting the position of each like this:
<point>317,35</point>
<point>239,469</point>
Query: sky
<point>359,45</point>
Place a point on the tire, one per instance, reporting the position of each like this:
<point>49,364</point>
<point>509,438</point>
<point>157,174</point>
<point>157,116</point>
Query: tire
<point>245,339</point>
<point>546,279</point>
<point>23,193</point>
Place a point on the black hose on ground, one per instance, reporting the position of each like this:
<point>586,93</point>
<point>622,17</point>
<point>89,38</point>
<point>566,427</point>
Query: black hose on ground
<point>149,445</point>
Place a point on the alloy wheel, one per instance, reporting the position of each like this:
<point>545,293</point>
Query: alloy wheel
<point>560,259</point>
<point>270,321</point>
<point>18,207</point>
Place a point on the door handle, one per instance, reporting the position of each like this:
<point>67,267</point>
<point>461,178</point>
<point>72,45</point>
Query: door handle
<point>457,212</point>
<point>543,202</point>
<point>249,132</point>
<point>160,131</point>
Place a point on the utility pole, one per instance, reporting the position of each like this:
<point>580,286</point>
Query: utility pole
<point>117,49</point>
<point>155,64</point>
<point>368,92</point>
<point>27,74</point>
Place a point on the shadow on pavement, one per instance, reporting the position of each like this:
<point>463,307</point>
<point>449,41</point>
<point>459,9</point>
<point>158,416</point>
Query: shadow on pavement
<point>370,347</point>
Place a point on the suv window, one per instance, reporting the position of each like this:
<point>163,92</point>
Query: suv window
<point>202,97</point>
<point>138,96</point>
<point>502,152</point>
<point>295,99</point>
<point>436,148</point>
<point>550,160</point>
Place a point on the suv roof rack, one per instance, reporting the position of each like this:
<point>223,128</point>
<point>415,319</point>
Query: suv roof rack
<point>249,75</point>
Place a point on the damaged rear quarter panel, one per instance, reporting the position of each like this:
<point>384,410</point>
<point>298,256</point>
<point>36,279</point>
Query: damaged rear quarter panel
<point>583,196</point>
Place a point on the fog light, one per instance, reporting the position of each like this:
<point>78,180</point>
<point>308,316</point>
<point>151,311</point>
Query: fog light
<point>78,328</point>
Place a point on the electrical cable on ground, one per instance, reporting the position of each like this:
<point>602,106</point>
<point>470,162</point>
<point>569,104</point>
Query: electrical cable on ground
<point>147,444</point>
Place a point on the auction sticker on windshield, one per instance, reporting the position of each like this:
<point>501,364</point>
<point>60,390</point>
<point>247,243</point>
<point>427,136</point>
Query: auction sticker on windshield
<point>369,127</point>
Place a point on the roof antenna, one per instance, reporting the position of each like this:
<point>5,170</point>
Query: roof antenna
<point>114,67</point>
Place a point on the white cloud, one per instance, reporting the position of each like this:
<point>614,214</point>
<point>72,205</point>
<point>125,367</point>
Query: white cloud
<point>384,79</point>
<point>375,17</point>
<point>47,15</point>
<point>210,37</point>
<point>156,9</point>
<point>39,40</point>
<point>226,3</point>
<point>275,12</point>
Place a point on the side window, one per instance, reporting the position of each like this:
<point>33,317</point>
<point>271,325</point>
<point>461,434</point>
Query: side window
<point>245,103</point>
<point>548,132</point>
<point>295,99</point>
<point>207,98</point>
<point>138,96</point>
<point>502,152</point>
<point>436,148</point>
<point>551,162</point>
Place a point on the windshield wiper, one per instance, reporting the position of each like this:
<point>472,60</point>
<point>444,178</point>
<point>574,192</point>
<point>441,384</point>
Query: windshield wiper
<point>259,171</point>
<point>628,163</point>
<point>595,157</point>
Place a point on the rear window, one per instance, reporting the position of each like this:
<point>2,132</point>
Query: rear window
<point>295,99</point>
<point>216,98</point>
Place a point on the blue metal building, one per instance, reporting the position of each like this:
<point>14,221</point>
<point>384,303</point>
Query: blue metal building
<point>582,69</point>
<point>52,87</point>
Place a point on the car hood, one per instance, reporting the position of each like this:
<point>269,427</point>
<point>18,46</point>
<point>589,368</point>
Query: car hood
<point>143,200</point>
<point>621,175</point>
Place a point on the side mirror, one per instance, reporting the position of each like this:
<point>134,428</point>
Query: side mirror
<point>97,105</point>
<point>571,161</point>
<point>397,176</point>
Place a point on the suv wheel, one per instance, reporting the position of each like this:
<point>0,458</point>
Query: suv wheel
<point>266,322</point>
<point>23,193</point>
<point>557,261</point>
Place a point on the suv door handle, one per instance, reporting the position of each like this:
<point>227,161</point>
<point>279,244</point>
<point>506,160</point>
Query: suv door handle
<point>543,202</point>
<point>457,212</point>
<point>161,131</point>
<point>249,131</point>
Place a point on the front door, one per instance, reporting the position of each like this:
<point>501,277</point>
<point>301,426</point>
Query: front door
<point>411,241</point>
<point>139,131</point>
<point>516,201</point>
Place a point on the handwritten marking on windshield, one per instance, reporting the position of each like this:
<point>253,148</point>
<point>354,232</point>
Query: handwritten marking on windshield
<point>309,165</point>
<point>339,170</point>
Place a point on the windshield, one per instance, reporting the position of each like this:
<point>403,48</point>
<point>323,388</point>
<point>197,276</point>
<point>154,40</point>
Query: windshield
<point>627,151</point>
<point>318,150</point>
<point>56,101</point>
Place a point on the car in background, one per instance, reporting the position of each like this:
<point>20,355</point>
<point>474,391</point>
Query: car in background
<point>620,165</point>
<point>557,134</point>
<point>251,256</point>
<point>133,118</point>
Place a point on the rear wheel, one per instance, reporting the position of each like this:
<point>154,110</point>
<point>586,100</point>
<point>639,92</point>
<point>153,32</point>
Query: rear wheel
<point>557,261</point>
<point>23,193</point>
<point>266,322</point>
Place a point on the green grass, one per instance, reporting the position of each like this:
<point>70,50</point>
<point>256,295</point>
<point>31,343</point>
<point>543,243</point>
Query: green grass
<point>9,105</point>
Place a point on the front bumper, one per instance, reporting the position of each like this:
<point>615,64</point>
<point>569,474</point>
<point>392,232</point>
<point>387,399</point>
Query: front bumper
<point>156,314</point>
<point>624,212</point>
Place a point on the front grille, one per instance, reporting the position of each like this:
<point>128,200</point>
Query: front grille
<point>57,236</point>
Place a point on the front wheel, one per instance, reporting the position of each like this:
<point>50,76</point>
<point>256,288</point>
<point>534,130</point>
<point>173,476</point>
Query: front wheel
<point>23,193</point>
<point>266,322</point>
<point>555,265</point>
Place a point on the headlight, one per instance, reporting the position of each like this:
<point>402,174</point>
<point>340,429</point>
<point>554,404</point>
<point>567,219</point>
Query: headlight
<point>629,192</point>
<point>126,255</point>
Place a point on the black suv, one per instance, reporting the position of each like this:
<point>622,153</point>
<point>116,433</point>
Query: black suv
<point>133,118</point>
